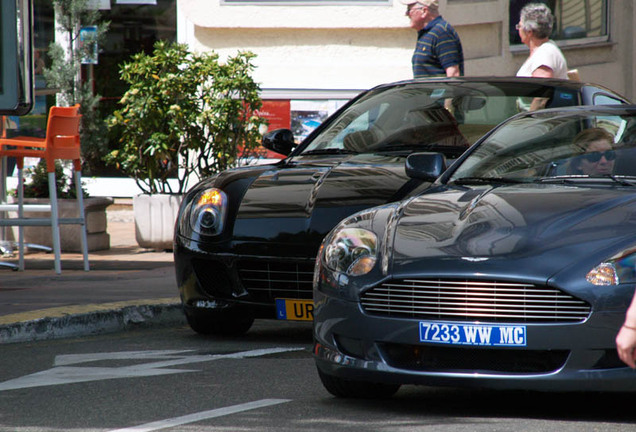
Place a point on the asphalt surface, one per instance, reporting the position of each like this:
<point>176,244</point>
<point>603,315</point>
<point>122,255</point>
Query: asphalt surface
<point>127,286</point>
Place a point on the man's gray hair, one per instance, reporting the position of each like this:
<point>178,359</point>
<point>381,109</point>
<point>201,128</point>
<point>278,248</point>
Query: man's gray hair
<point>538,18</point>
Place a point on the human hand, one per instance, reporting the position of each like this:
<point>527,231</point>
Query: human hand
<point>626,345</point>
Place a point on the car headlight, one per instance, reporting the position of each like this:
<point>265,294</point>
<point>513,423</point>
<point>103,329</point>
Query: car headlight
<point>616,270</point>
<point>352,251</point>
<point>207,214</point>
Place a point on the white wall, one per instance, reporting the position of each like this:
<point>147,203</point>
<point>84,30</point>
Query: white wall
<point>357,47</point>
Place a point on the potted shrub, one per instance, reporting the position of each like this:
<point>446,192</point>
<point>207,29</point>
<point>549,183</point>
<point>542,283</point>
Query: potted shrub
<point>183,117</point>
<point>36,191</point>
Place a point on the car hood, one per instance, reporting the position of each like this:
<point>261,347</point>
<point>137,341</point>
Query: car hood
<point>311,195</point>
<point>507,230</point>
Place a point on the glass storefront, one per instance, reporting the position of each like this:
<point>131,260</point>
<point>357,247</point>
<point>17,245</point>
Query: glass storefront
<point>135,25</point>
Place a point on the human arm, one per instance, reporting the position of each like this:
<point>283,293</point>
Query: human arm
<point>540,72</point>
<point>451,71</point>
<point>626,337</point>
<point>543,72</point>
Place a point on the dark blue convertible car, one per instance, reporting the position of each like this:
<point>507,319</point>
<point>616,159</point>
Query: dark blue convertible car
<point>514,270</point>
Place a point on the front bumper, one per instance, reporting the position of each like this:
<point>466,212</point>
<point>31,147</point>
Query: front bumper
<point>218,280</point>
<point>558,357</point>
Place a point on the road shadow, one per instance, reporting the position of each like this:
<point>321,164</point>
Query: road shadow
<point>480,403</point>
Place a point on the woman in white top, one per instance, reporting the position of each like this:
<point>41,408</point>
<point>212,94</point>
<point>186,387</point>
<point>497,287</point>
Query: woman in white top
<point>546,59</point>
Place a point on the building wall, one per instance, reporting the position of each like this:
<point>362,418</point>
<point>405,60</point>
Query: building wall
<point>356,47</point>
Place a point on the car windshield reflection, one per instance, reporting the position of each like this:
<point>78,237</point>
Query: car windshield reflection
<point>440,117</point>
<point>575,149</point>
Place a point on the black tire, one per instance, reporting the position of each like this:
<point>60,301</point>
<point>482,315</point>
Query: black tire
<point>345,388</point>
<point>234,322</point>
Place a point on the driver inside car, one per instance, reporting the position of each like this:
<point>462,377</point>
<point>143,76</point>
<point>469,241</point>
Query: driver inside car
<point>598,156</point>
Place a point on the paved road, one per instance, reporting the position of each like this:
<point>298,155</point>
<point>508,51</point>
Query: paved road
<point>175,380</point>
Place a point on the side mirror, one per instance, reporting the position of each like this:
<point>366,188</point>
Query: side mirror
<point>16,61</point>
<point>425,166</point>
<point>280,141</point>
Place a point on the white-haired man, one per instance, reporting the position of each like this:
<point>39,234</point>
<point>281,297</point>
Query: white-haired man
<point>438,51</point>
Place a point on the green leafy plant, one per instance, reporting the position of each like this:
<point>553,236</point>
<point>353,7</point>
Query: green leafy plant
<point>38,184</point>
<point>184,115</point>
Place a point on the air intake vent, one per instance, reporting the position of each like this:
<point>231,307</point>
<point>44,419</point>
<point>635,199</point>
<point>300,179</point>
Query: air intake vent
<point>268,280</point>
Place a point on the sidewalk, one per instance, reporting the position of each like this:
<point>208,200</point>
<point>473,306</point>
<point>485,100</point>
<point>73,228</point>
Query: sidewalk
<point>126,286</point>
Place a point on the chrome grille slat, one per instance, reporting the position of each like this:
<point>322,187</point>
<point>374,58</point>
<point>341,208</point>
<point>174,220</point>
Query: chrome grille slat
<point>468,299</point>
<point>477,292</point>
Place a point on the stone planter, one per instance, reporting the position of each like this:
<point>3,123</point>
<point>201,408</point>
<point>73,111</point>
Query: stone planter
<point>155,216</point>
<point>96,225</point>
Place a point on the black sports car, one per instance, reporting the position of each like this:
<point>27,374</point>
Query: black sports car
<point>514,270</point>
<point>246,239</point>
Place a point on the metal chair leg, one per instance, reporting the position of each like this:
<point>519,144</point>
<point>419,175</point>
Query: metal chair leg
<point>55,225</point>
<point>82,215</point>
<point>21,216</point>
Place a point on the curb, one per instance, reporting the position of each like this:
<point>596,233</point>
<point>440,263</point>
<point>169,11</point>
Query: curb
<point>92,323</point>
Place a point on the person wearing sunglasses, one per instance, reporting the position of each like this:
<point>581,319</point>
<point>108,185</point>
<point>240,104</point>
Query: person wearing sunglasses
<point>598,156</point>
<point>438,51</point>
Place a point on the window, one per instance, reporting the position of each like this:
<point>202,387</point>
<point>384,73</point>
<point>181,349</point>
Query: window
<point>603,99</point>
<point>574,19</point>
<point>133,28</point>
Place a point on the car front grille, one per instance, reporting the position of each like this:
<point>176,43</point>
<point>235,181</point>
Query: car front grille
<point>268,280</point>
<point>473,300</point>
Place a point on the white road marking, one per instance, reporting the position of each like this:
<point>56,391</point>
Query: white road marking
<point>192,418</point>
<point>66,374</point>
<point>74,359</point>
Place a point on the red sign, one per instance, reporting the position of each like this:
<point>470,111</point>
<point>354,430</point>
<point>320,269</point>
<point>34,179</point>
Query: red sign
<point>277,113</point>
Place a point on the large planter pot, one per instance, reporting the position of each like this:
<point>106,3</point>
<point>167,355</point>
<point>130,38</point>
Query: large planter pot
<point>155,216</point>
<point>70,235</point>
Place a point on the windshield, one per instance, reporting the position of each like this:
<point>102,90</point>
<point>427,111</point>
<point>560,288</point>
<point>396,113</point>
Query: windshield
<point>555,146</point>
<point>446,117</point>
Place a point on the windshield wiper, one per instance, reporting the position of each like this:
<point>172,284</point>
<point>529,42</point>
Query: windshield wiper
<point>623,181</point>
<point>558,179</point>
<point>486,180</point>
<point>328,151</point>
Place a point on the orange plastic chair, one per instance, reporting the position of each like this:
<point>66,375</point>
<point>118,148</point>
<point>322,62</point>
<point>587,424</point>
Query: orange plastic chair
<point>62,142</point>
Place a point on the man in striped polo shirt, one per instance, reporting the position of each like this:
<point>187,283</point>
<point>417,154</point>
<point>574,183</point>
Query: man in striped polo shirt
<point>438,51</point>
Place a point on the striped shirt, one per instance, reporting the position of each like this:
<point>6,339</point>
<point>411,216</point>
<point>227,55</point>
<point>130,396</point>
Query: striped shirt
<point>438,47</point>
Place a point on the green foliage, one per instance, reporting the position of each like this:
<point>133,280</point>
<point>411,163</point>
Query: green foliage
<point>184,114</point>
<point>38,185</point>
<point>64,74</point>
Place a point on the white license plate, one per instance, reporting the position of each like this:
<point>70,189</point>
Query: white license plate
<point>294,309</point>
<point>472,334</point>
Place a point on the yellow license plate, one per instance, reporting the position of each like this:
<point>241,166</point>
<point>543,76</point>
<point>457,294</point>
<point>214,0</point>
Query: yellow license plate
<point>294,310</point>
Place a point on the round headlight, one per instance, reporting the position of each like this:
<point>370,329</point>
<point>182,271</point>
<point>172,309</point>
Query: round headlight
<point>207,214</point>
<point>208,218</point>
<point>352,251</point>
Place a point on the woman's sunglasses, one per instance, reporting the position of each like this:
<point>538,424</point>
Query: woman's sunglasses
<point>610,155</point>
